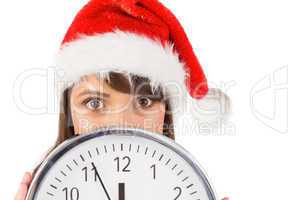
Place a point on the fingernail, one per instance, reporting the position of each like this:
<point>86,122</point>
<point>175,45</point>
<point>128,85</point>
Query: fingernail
<point>25,178</point>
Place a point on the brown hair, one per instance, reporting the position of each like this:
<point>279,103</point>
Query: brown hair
<point>121,83</point>
<point>124,84</point>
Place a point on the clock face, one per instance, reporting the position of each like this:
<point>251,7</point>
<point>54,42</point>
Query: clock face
<point>114,165</point>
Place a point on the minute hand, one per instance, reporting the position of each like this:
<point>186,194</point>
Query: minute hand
<point>102,184</point>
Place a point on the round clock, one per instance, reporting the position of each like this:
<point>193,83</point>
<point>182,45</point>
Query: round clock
<point>120,164</point>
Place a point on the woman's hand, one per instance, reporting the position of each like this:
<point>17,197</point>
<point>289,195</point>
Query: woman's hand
<point>24,185</point>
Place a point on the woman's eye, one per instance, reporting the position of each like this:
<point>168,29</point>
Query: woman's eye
<point>94,104</point>
<point>144,102</point>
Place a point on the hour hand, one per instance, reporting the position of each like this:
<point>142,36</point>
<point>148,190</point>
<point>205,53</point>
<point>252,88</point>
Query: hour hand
<point>121,191</point>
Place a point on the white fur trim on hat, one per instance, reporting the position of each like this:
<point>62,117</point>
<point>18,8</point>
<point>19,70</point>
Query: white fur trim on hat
<point>122,51</point>
<point>137,54</point>
<point>201,116</point>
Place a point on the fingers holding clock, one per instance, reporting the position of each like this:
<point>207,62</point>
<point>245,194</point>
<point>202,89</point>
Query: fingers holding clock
<point>24,185</point>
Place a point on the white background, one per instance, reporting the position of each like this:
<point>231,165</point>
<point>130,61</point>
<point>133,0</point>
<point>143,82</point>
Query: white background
<point>252,45</point>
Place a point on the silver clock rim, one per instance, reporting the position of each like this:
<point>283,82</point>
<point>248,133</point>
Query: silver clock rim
<point>163,140</point>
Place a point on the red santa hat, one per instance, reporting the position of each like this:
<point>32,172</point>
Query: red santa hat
<point>142,37</point>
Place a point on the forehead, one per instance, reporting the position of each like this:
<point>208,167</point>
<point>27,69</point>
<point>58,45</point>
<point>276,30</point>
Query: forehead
<point>91,83</point>
<point>118,82</point>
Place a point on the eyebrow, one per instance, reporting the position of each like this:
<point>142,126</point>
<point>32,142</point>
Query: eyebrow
<point>85,92</point>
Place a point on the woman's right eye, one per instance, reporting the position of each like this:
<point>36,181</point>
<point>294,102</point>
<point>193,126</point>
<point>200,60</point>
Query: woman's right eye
<point>94,104</point>
<point>144,102</point>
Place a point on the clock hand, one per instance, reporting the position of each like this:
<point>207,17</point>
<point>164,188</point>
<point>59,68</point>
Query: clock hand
<point>121,191</point>
<point>102,184</point>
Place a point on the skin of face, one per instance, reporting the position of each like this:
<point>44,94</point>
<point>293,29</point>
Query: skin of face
<point>95,104</point>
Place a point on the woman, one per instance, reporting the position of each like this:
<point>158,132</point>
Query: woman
<point>120,99</point>
<point>130,63</point>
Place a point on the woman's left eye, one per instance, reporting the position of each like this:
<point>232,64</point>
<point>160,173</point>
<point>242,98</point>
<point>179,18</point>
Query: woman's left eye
<point>144,102</point>
<point>94,104</point>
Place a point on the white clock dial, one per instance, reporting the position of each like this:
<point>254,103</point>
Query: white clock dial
<point>120,165</point>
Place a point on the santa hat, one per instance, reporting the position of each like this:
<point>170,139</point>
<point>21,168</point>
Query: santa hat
<point>142,37</point>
